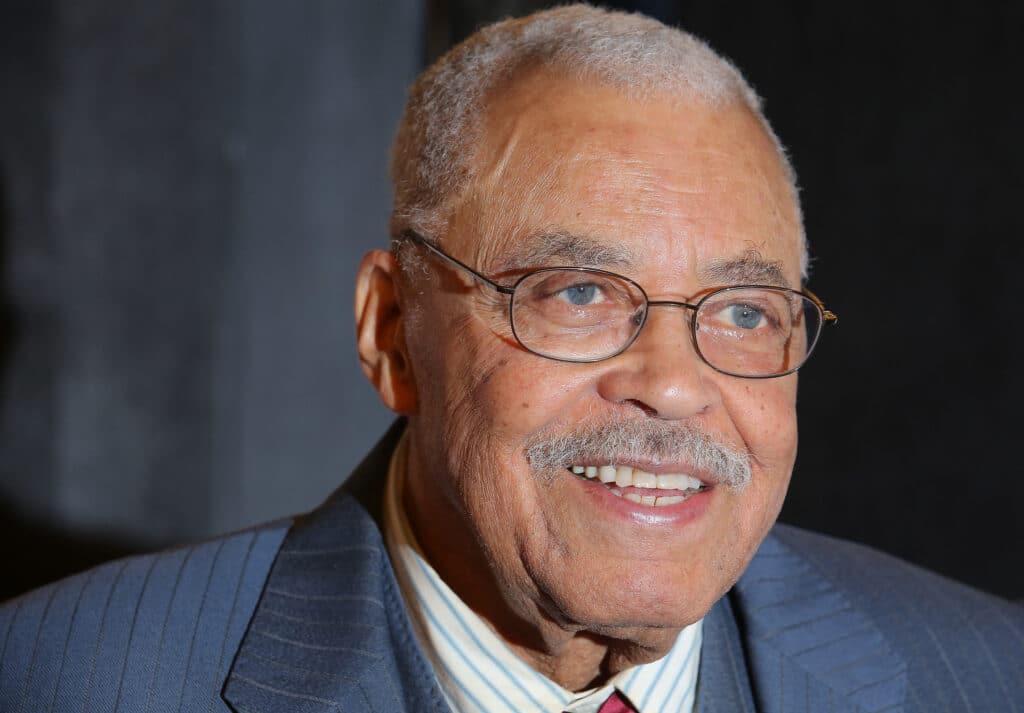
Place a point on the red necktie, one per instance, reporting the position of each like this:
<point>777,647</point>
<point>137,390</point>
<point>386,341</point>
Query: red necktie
<point>616,703</point>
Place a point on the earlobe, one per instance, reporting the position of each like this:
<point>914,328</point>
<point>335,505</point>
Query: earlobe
<point>380,339</point>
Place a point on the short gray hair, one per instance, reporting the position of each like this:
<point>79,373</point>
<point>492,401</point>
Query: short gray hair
<point>432,157</point>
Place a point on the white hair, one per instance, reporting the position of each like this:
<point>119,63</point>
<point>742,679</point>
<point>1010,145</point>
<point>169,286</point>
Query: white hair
<point>433,155</point>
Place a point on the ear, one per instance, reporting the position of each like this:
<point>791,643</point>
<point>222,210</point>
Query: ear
<point>379,335</point>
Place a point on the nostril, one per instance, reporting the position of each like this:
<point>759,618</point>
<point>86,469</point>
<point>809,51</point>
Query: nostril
<point>648,411</point>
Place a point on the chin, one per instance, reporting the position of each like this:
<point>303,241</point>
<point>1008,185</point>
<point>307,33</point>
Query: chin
<point>635,602</point>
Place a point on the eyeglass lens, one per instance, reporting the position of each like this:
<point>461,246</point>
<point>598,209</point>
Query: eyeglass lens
<point>580,315</point>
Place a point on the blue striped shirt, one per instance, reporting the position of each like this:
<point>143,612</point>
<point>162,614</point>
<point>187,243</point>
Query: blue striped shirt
<point>475,668</point>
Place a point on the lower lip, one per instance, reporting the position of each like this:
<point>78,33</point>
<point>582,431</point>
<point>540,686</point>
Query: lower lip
<point>673,515</point>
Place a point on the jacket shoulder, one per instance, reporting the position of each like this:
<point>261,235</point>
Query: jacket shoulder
<point>874,577</point>
<point>955,639</point>
<point>156,629</point>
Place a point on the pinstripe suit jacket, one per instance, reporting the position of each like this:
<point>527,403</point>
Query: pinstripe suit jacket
<point>304,616</point>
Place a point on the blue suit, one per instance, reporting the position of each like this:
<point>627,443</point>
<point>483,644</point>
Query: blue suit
<point>305,616</point>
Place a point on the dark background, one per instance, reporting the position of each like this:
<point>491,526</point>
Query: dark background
<point>186,189</point>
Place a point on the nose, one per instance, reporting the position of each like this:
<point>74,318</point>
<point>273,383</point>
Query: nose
<point>661,372</point>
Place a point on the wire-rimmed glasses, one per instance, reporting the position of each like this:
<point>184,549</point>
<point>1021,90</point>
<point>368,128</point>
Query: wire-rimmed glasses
<point>582,314</point>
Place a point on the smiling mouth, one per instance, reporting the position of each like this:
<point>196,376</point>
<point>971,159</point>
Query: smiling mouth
<point>639,486</point>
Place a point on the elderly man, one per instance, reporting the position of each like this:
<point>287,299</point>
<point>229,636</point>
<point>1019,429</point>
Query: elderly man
<point>591,320</point>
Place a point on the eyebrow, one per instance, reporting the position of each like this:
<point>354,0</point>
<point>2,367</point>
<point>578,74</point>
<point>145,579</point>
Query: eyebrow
<point>569,249</point>
<point>749,269</point>
<point>563,248</point>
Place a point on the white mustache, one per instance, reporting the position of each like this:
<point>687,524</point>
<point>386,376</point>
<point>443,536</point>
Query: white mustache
<point>623,442</point>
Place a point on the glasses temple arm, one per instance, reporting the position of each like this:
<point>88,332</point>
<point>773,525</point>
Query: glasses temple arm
<point>417,238</point>
<point>826,314</point>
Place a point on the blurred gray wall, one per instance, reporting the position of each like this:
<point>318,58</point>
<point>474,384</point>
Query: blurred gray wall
<point>186,191</point>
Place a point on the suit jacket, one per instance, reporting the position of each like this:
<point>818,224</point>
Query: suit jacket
<point>305,616</point>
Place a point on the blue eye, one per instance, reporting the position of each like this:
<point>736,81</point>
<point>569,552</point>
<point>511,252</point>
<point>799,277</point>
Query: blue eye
<point>745,316</point>
<point>580,295</point>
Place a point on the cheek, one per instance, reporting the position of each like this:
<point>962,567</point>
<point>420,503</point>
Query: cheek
<point>524,393</point>
<point>509,396</point>
<point>488,397</point>
<point>764,413</point>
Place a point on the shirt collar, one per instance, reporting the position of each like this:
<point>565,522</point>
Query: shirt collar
<point>478,672</point>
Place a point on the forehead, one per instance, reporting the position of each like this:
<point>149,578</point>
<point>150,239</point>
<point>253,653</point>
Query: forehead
<point>658,182</point>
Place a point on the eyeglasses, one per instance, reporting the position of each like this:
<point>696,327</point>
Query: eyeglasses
<point>581,314</point>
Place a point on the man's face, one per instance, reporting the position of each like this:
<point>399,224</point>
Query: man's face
<point>666,195</point>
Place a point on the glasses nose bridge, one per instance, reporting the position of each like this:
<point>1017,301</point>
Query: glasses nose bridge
<point>684,307</point>
<point>672,303</point>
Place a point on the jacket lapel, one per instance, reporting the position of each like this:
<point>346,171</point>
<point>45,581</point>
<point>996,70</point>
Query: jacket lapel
<point>330,632</point>
<point>723,683</point>
<point>809,649</point>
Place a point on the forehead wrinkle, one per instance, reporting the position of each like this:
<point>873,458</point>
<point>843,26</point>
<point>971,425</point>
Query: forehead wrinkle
<point>751,268</point>
<point>638,187</point>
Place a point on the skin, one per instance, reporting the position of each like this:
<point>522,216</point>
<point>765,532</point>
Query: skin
<point>577,591</point>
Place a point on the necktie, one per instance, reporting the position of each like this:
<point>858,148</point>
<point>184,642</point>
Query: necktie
<point>616,703</point>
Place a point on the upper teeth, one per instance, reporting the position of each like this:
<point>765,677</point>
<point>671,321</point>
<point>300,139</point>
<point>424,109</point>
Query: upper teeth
<point>624,476</point>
